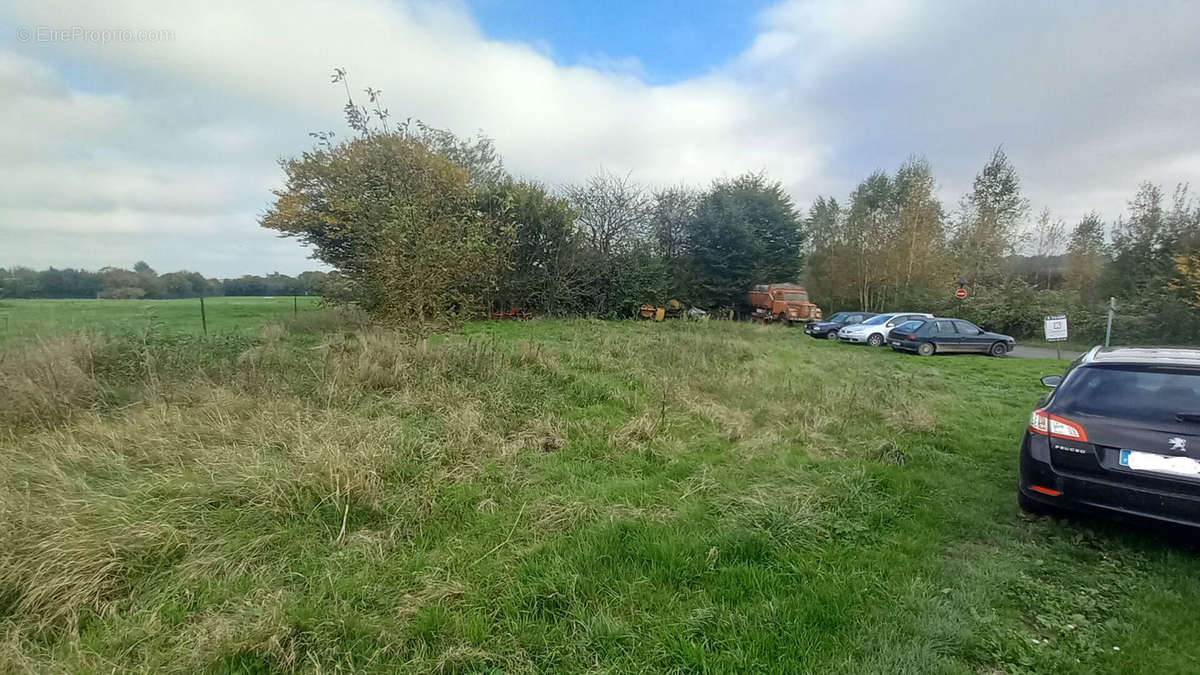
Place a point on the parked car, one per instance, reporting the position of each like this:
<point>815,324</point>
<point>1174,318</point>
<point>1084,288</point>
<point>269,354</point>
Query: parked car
<point>1118,434</point>
<point>929,336</point>
<point>829,328</point>
<point>874,330</point>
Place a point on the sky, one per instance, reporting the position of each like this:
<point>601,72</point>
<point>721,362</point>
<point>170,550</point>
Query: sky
<point>152,131</point>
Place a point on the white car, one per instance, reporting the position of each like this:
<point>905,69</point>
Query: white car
<point>874,330</point>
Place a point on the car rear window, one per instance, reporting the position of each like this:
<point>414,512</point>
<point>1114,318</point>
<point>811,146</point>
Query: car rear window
<point>1145,395</point>
<point>910,326</point>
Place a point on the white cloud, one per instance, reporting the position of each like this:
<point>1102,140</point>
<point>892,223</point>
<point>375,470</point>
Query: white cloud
<point>629,66</point>
<point>167,150</point>
<point>1088,99</point>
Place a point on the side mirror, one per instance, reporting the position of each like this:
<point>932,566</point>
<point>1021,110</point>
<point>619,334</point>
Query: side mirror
<point>1052,380</point>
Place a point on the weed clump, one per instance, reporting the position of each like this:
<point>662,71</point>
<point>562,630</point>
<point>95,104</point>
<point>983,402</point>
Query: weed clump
<point>335,319</point>
<point>49,382</point>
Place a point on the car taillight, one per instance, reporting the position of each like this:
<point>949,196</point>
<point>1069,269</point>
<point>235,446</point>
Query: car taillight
<point>910,336</point>
<point>1042,422</point>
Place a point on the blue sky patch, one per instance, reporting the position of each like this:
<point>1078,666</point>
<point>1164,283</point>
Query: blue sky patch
<point>660,42</point>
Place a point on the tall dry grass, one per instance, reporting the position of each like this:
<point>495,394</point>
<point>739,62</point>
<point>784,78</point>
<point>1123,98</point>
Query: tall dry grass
<point>50,381</point>
<point>352,438</point>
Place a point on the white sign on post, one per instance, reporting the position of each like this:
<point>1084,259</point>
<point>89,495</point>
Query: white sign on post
<point>1056,328</point>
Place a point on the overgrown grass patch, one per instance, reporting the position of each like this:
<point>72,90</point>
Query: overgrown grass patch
<point>552,495</point>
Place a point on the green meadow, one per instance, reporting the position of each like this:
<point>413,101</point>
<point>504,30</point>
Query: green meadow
<point>32,319</point>
<point>313,494</point>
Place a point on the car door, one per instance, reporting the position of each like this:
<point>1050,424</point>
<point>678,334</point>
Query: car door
<point>945,336</point>
<point>971,337</point>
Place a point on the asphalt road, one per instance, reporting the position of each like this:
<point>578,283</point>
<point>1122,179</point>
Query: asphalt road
<point>1023,352</point>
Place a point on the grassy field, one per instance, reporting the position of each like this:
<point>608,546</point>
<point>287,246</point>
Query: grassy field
<point>561,496</point>
<point>31,319</point>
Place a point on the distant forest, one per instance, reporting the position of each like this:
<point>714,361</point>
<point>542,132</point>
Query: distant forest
<point>143,282</point>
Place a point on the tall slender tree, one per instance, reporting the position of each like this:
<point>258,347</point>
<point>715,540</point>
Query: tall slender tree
<point>1046,241</point>
<point>1140,246</point>
<point>870,229</point>
<point>1086,252</point>
<point>990,221</point>
<point>916,252</point>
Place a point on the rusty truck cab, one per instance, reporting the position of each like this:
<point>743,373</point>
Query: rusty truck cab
<point>783,302</point>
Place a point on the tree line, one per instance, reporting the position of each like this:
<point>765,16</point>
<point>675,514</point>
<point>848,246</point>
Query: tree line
<point>425,227</point>
<point>892,244</point>
<point>422,226</point>
<point>143,282</point>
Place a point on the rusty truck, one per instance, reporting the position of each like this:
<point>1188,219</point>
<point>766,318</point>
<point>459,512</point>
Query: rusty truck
<point>786,303</point>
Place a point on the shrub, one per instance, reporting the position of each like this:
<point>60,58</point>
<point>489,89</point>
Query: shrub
<point>344,318</point>
<point>398,220</point>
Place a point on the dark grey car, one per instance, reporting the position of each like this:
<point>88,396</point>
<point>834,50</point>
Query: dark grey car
<point>1119,434</point>
<point>931,336</point>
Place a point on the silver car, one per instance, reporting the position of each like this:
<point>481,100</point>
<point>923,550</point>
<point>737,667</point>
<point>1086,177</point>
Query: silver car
<point>874,331</point>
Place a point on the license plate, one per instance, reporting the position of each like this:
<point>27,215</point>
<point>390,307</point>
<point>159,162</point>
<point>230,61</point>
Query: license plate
<point>1149,461</point>
<point>895,344</point>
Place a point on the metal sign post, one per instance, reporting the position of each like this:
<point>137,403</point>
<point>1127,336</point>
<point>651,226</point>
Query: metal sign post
<point>1112,305</point>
